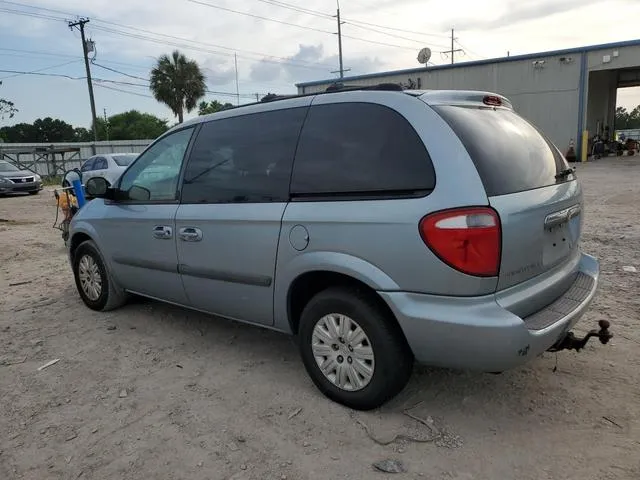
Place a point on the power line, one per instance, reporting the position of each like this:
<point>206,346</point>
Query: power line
<point>143,37</point>
<point>396,29</point>
<point>319,14</point>
<point>41,69</point>
<point>123,91</point>
<point>37,7</point>
<point>470,51</point>
<point>119,72</point>
<point>296,8</point>
<point>264,56</point>
<point>43,74</point>
<point>421,42</point>
<point>259,17</point>
<point>199,2</point>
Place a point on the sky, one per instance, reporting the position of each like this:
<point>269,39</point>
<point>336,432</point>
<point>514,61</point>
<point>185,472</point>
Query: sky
<point>276,43</point>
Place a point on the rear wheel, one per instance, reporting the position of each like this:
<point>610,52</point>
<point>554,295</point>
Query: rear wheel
<point>95,286</point>
<point>353,350</point>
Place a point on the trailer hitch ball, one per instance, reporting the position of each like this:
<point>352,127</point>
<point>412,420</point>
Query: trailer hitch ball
<point>571,342</point>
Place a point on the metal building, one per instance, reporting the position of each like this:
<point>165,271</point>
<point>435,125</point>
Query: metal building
<point>570,94</point>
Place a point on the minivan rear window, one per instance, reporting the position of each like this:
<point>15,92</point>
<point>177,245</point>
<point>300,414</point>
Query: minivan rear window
<point>510,154</point>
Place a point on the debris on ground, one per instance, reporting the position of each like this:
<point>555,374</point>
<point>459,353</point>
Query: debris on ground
<point>111,327</point>
<point>629,269</point>
<point>48,364</point>
<point>295,412</point>
<point>123,393</point>
<point>390,466</point>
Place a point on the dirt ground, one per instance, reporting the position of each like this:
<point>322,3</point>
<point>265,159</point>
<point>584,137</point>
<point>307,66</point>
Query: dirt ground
<point>151,391</point>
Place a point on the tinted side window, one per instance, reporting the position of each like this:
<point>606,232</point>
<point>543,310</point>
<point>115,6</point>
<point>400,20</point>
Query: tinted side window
<point>243,159</point>
<point>87,166</point>
<point>361,149</point>
<point>510,154</point>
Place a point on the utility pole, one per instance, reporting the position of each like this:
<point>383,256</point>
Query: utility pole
<point>453,46</point>
<point>257,97</point>
<point>106,123</point>
<point>80,24</point>
<point>340,39</point>
<point>235,57</point>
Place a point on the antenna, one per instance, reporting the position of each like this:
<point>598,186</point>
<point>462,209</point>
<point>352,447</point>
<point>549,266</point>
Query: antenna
<point>424,56</point>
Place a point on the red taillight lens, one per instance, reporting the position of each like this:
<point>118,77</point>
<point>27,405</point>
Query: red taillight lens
<point>467,239</point>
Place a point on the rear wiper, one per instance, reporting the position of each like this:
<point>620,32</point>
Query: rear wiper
<point>565,173</point>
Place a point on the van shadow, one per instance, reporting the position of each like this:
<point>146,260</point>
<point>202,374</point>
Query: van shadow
<point>526,397</point>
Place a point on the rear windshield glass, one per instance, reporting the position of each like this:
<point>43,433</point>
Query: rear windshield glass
<point>124,160</point>
<point>510,154</point>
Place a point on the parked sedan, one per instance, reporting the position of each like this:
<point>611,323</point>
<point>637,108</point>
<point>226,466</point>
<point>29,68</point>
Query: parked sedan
<point>109,166</point>
<point>12,179</point>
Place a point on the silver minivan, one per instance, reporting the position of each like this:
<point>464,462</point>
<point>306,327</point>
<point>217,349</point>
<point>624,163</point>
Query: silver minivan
<point>380,225</point>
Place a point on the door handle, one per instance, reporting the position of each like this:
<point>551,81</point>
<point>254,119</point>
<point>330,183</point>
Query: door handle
<point>162,232</point>
<point>190,234</point>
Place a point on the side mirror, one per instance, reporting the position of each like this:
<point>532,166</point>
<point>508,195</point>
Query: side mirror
<point>96,187</point>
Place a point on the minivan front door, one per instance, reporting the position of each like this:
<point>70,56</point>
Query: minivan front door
<point>235,191</point>
<point>138,229</point>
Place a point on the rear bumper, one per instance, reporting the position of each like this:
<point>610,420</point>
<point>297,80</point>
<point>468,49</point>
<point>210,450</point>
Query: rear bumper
<point>478,333</point>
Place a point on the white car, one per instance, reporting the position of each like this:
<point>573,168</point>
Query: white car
<point>108,166</point>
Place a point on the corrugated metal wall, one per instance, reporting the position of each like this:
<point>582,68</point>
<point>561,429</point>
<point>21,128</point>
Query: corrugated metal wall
<point>44,167</point>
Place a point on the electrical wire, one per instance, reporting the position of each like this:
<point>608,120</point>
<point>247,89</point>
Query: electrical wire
<point>199,2</point>
<point>352,22</point>
<point>296,8</point>
<point>259,17</point>
<point>123,91</point>
<point>264,57</point>
<point>41,69</point>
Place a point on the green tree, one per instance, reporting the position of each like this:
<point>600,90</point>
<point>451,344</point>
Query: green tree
<point>214,106</point>
<point>43,130</point>
<point>626,119</point>
<point>7,109</point>
<point>50,130</point>
<point>81,134</point>
<point>131,125</point>
<point>177,82</point>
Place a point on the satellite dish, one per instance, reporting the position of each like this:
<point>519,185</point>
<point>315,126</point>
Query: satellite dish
<point>424,56</point>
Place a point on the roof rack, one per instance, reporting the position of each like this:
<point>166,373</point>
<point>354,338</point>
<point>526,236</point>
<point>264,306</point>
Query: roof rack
<point>389,87</point>
<point>338,87</point>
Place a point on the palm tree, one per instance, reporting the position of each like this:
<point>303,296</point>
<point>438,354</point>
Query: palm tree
<point>177,82</point>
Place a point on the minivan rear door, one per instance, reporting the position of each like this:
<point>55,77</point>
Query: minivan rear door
<point>528,183</point>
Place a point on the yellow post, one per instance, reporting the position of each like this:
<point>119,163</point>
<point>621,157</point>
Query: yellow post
<point>585,145</point>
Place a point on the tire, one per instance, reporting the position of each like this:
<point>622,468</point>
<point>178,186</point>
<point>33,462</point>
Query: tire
<point>109,296</point>
<point>392,357</point>
<point>34,193</point>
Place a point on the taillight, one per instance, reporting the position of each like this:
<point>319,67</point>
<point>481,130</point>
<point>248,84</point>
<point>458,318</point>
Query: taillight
<point>467,239</point>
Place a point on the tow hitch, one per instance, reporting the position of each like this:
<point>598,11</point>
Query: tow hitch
<point>571,342</point>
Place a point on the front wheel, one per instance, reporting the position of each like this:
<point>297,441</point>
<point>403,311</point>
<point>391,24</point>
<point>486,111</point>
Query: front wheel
<point>35,192</point>
<point>95,286</point>
<point>353,349</point>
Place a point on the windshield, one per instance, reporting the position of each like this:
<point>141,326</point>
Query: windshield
<point>124,160</point>
<point>7,167</point>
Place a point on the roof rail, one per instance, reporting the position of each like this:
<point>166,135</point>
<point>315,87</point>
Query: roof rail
<point>337,87</point>
<point>340,87</point>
